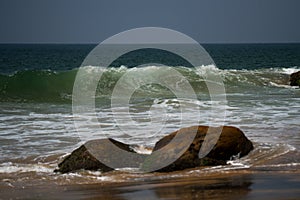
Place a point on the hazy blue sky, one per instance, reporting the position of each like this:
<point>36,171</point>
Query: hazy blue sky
<point>92,21</point>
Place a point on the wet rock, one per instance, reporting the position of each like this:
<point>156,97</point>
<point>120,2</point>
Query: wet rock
<point>176,151</point>
<point>231,142</point>
<point>91,155</point>
<point>295,79</point>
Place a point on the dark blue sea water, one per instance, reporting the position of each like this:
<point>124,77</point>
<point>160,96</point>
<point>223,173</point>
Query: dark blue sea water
<point>37,122</point>
<point>61,57</point>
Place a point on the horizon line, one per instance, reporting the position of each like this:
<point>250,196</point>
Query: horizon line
<point>91,43</point>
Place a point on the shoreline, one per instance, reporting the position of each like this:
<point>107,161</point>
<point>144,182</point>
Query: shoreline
<point>235,184</point>
<point>265,173</point>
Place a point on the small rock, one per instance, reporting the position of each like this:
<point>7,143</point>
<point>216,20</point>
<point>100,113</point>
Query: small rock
<point>90,155</point>
<point>295,79</point>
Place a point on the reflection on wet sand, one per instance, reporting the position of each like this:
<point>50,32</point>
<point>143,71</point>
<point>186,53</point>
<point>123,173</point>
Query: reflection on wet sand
<point>209,187</point>
<point>217,188</point>
<point>238,184</point>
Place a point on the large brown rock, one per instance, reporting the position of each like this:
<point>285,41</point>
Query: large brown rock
<point>231,142</point>
<point>295,79</point>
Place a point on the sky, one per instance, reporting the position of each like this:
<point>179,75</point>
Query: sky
<point>206,21</point>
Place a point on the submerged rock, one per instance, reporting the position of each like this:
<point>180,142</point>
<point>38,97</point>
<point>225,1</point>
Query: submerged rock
<point>183,145</point>
<point>295,79</point>
<point>231,142</point>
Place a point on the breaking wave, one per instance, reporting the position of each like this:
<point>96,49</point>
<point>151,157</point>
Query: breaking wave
<point>53,86</point>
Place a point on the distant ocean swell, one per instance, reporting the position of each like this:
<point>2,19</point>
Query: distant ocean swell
<point>52,86</point>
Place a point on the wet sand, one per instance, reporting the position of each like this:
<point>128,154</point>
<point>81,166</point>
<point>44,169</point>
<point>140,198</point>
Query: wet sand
<point>263,174</point>
<point>238,184</point>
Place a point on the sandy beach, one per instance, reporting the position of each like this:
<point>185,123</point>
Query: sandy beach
<point>238,184</point>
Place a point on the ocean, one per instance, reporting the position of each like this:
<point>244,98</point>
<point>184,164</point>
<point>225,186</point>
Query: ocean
<point>37,123</point>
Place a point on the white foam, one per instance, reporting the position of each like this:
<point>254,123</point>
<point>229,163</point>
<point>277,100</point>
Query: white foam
<point>142,149</point>
<point>232,165</point>
<point>105,178</point>
<point>21,168</point>
<point>237,163</point>
<point>290,70</point>
<point>205,70</point>
<point>92,69</point>
<point>283,86</point>
<point>282,165</point>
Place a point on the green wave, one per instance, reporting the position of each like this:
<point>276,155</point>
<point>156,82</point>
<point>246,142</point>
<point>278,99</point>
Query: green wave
<point>44,86</point>
<point>51,86</point>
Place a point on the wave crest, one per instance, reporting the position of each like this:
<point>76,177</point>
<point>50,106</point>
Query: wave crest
<point>52,86</point>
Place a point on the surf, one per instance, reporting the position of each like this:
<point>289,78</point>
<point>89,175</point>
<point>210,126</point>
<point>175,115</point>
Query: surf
<point>57,86</point>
